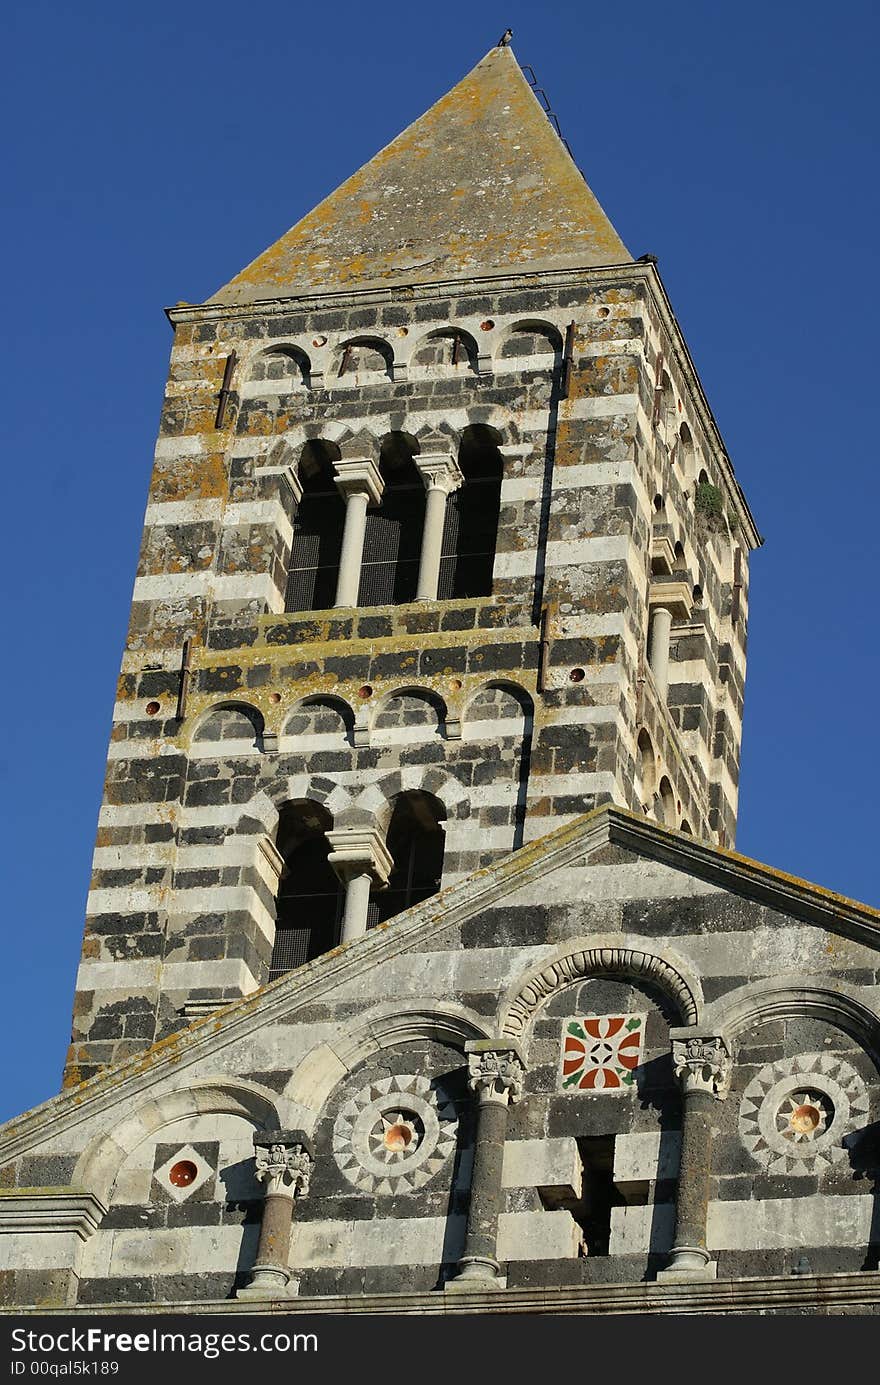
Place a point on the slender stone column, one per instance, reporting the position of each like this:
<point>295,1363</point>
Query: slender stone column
<point>362,862</point>
<point>658,647</point>
<point>441,476</point>
<point>359,481</point>
<point>496,1076</point>
<point>284,1164</point>
<point>702,1065</point>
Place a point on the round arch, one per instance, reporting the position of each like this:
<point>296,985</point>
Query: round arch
<point>451,792</point>
<point>230,704</point>
<point>100,1161</point>
<point>261,813</point>
<point>385,1026</point>
<point>638,959</point>
<point>791,997</point>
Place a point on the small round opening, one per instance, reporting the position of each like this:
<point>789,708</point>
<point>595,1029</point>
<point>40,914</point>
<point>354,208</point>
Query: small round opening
<point>183,1173</point>
<point>455,684</point>
<point>487,325</point>
<point>577,675</point>
<point>152,708</point>
<point>397,1137</point>
<point>319,341</point>
<point>275,697</point>
<point>365,691</point>
<point>603,312</point>
<point>805,1119</point>
<point>403,331</point>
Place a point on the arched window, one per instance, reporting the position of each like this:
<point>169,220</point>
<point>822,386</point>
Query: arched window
<point>686,456</point>
<point>647,766</point>
<point>288,366</point>
<point>364,359</point>
<point>415,841</point>
<point>310,897</point>
<point>539,343</point>
<point>393,535</point>
<point>318,523</point>
<point>471,530</point>
<point>448,348</point>
<point>667,409</point>
<point>667,803</point>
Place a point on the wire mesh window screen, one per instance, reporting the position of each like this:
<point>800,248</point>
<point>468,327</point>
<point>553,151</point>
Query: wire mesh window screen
<point>314,552</point>
<point>418,869</point>
<point>309,907</point>
<point>392,547</point>
<point>470,535</point>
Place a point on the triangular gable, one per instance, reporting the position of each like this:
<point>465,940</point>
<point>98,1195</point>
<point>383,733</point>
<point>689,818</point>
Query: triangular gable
<point>597,838</point>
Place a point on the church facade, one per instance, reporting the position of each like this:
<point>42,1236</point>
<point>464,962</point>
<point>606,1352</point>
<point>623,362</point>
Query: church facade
<point>420,973</point>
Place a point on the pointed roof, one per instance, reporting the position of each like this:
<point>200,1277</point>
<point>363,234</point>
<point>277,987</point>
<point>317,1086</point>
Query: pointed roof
<point>481,183</point>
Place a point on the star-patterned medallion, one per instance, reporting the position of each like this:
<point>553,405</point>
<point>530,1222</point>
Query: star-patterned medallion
<point>794,1114</point>
<point>394,1135</point>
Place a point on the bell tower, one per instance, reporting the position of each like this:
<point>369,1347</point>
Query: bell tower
<point>442,549</point>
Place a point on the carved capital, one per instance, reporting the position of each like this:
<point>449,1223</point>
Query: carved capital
<point>495,1072</point>
<point>359,476</point>
<point>702,1064</point>
<point>439,472</point>
<point>284,1160</point>
<point>359,851</point>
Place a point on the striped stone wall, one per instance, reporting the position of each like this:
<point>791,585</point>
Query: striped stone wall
<point>787,973</point>
<point>539,691</point>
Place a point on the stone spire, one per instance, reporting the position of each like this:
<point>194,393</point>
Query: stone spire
<point>480,184</point>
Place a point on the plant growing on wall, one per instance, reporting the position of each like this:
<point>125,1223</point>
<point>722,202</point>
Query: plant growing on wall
<point>709,505</point>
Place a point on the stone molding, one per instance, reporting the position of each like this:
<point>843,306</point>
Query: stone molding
<point>359,851</point>
<point>100,1161</point>
<point>817,1294</point>
<point>672,596</point>
<point>63,1209</point>
<point>798,994</point>
<point>631,957</point>
<point>385,1026</point>
<point>273,856</point>
<point>358,476</point>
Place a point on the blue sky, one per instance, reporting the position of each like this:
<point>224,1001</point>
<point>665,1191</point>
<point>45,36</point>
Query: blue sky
<point>153,151</point>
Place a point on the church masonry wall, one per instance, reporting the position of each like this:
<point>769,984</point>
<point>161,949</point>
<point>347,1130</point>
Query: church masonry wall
<point>169,921</point>
<point>151,1248</point>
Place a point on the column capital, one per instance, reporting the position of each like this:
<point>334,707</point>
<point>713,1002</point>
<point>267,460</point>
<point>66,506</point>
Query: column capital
<point>439,471</point>
<point>359,851</point>
<point>358,476</point>
<point>284,1161</point>
<point>672,596</point>
<point>702,1063</point>
<point>495,1070</point>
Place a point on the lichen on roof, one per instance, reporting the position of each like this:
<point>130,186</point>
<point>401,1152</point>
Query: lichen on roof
<point>480,184</point>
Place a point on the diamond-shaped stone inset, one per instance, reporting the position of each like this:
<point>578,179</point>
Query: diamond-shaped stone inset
<point>183,1174</point>
<point>600,1053</point>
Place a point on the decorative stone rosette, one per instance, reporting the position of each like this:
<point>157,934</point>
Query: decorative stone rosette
<point>794,1114</point>
<point>394,1135</point>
